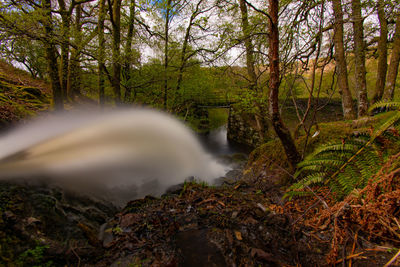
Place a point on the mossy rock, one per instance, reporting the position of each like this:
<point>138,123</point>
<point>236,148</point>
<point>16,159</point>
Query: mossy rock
<point>19,101</point>
<point>37,218</point>
<point>6,87</point>
<point>32,94</point>
<point>32,91</point>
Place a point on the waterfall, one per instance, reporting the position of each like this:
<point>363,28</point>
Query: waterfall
<point>119,155</point>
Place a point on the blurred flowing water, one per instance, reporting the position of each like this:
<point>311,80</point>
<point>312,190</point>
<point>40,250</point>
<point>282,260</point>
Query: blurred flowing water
<point>116,155</point>
<point>217,143</point>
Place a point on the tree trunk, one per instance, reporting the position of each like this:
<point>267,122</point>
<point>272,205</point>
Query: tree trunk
<point>65,33</point>
<point>394,63</point>
<point>101,55</point>
<point>382,52</point>
<point>282,132</point>
<point>166,31</point>
<point>116,33</point>
<point>248,44</point>
<point>74,82</point>
<point>360,71</point>
<point>250,63</point>
<point>128,52</point>
<point>341,65</point>
<point>183,53</point>
<point>51,57</point>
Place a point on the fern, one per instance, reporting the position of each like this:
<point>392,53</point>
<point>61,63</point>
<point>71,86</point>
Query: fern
<point>385,105</point>
<point>350,164</point>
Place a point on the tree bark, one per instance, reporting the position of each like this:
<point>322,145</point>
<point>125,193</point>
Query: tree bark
<point>51,57</point>
<point>65,32</point>
<point>382,52</point>
<point>101,55</point>
<point>166,32</point>
<point>394,64</point>
<point>184,49</point>
<point>341,65</point>
<point>281,131</point>
<point>360,71</point>
<point>250,66</point>
<point>74,82</point>
<point>116,33</point>
<point>248,44</point>
<point>128,52</point>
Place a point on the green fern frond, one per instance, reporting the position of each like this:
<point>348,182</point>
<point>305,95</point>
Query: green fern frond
<point>300,193</point>
<point>386,125</point>
<point>319,162</point>
<point>332,148</point>
<point>350,164</point>
<point>385,105</point>
<point>314,178</point>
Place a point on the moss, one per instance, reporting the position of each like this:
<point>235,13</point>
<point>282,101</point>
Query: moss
<point>17,103</point>
<point>271,154</point>
<point>34,257</point>
<point>20,97</point>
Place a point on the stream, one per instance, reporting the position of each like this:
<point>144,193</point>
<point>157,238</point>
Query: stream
<point>232,155</point>
<point>217,143</point>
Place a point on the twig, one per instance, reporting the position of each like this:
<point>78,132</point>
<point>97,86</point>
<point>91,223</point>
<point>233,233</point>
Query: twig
<point>393,259</point>
<point>350,257</point>
<point>397,222</point>
<point>390,228</point>
<point>354,247</point>
<point>79,258</point>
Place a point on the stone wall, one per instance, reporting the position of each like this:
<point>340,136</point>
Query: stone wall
<point>242,129</point>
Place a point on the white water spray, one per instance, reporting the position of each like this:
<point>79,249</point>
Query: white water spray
<point>123,154</point>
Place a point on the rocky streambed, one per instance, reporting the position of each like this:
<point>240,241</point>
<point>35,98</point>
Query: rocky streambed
<point>194,225</point>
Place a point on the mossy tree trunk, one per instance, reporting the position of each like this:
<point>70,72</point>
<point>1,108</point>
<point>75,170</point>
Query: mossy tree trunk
<point>65,33</point>
<point>74,71</point>
<point>394,63</point>
<point>281,130</point>
<point>101,52</point>
<point>128,52</point>
<point>382,53</point>
<point>341,65</point>
<point>250,66</point>
<point>248,45</point>
<point>360,71</point>
<point>115,14</point>
<point>51,56</point>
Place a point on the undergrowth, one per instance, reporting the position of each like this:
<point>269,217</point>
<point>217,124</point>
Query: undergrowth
<point>349,190</point>
<point>349,164</point>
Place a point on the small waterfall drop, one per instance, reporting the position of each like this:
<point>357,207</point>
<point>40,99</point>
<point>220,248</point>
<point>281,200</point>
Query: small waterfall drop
<point>119,155</point>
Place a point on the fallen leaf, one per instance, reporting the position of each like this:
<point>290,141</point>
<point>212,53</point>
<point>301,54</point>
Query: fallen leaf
<point>261,254</point>
<point>238,235</point>
<point>221,203</point>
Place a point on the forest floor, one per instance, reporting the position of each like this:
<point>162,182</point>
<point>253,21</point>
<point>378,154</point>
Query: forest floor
<point>235,224</point>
